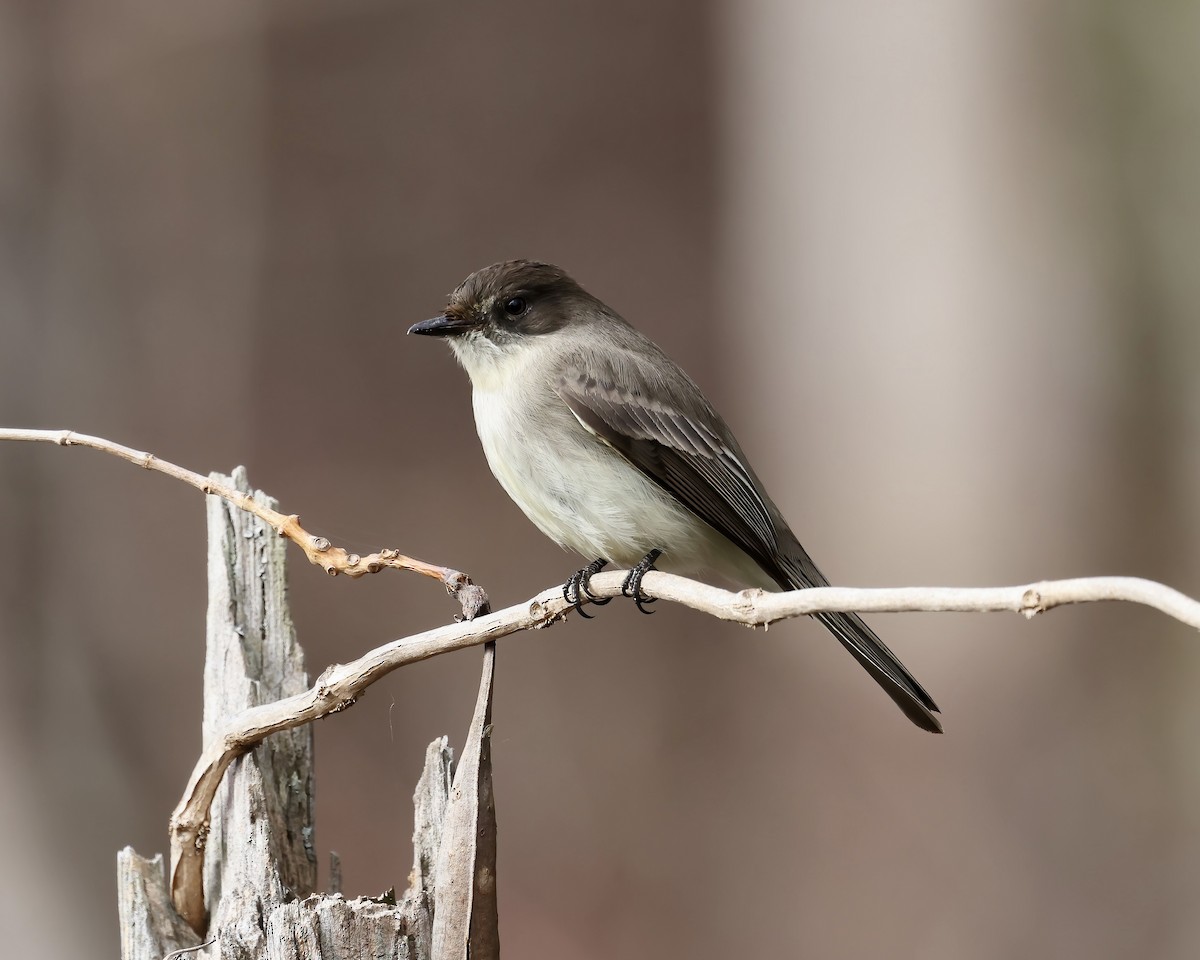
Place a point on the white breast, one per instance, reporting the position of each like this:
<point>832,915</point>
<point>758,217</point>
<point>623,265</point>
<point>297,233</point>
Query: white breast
<point>576,490</point>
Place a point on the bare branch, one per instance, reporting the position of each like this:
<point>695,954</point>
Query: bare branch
<point>340,685</point>
<point>756,607</point>
<point>332,559</point>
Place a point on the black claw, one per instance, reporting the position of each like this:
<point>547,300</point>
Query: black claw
<point>587,592</point>
<point>632,587</point>
<point>576,587</point>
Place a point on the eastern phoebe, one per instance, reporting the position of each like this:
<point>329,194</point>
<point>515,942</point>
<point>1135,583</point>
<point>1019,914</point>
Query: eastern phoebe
<point>612,450</point>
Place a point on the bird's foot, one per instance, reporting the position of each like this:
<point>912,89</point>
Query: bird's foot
<point>632,587</point>
<point>576,587</point>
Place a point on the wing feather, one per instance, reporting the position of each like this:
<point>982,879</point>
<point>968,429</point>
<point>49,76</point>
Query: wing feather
<point>689,458</point>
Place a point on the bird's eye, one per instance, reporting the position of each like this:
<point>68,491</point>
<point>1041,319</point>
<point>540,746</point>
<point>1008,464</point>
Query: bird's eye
<point>515,306</point>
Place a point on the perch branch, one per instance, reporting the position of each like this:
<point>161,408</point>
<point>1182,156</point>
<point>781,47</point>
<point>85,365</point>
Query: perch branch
<point>332,559</point>
<point>341,684</point>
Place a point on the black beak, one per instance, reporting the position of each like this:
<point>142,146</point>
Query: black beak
<point>443,326</point>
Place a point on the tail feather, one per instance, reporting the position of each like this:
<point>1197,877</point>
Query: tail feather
<point>797,571</point>
<point>885,668</point>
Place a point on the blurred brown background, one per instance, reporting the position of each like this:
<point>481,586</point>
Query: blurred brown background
<point>936,262</point>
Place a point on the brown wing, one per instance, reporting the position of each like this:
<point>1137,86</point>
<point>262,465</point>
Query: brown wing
<point>690,457</point>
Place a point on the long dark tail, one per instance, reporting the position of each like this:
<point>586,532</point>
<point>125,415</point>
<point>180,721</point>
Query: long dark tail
<point>797,571</point>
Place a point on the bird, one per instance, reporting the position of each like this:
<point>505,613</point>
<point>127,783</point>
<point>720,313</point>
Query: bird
<point>613,451</point>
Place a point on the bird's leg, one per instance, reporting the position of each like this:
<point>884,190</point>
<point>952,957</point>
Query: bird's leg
<point>576,587</point>
<point>632,587</point>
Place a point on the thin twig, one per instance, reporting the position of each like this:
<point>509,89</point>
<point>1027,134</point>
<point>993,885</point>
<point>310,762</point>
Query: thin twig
<point>341,684</point>
<point>332,559</point>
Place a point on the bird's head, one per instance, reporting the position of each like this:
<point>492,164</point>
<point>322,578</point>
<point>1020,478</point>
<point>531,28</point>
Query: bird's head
<point>499,308</point>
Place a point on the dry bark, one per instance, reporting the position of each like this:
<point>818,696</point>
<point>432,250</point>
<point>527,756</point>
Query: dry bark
<point>257,857</point>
